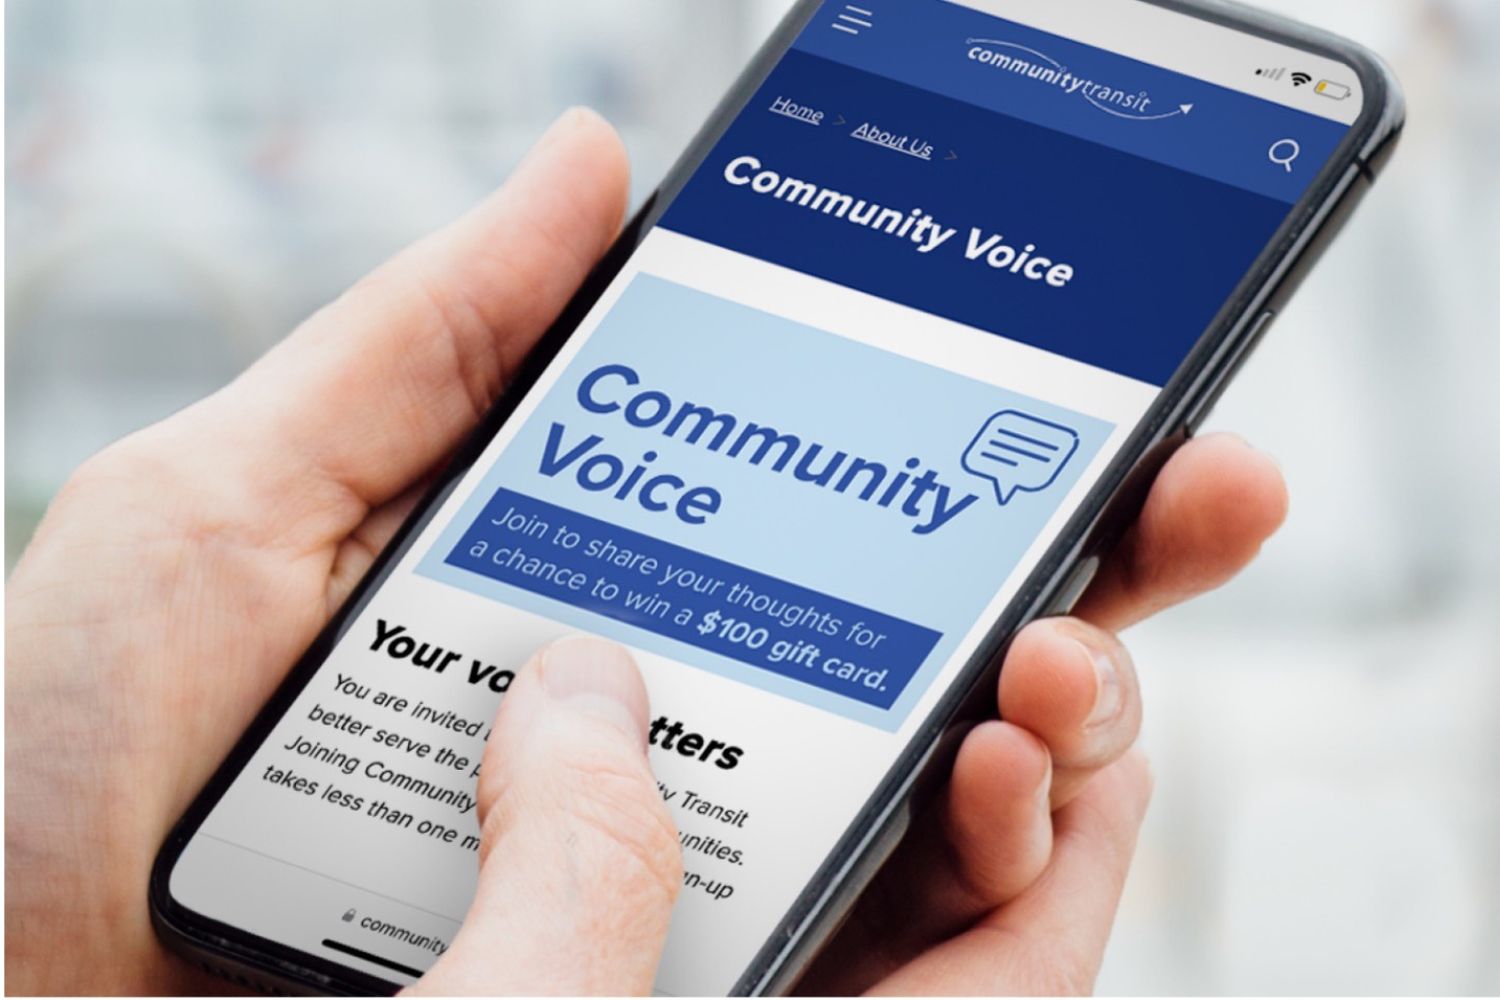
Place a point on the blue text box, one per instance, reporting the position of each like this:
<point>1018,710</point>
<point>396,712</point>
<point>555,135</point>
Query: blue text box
<point>755,619</point>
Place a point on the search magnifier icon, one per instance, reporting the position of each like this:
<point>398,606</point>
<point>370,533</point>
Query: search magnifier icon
<point>1284,151</point>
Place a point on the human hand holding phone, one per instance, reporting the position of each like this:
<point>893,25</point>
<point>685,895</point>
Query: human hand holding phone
<point>180,573</point>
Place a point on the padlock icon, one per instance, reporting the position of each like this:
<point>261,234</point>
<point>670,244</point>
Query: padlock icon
<point>349,915</point>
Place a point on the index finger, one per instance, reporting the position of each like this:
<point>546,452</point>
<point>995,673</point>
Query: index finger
<point>375,388</point>
<point>1213,505</point>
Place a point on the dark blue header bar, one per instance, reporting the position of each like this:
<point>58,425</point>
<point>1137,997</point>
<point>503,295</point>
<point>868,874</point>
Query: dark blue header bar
<point>1036,235</point>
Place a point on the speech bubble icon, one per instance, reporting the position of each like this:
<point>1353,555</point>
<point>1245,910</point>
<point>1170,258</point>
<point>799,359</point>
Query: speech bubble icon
<point>1017,452</point>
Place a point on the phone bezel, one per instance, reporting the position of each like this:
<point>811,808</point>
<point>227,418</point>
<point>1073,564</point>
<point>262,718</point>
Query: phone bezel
<point>1111,504</point>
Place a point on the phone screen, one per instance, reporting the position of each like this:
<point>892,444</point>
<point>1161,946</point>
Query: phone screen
<point>798,456</point>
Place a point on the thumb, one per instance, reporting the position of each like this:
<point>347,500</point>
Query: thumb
<point>579,862</point>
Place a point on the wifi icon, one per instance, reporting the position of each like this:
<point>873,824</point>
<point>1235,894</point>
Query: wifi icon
<point>1301,79</point>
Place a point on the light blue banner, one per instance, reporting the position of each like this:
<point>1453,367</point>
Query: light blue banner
<point>770,445</point>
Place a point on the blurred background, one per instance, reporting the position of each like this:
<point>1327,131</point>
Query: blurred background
<point>185,181</point>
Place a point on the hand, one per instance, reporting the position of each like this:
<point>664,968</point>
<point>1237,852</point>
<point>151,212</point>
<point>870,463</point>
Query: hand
<point>1009,884</point>
<point>179,574</point>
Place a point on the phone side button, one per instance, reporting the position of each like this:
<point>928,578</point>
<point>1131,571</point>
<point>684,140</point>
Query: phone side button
<point>1072,590</point>
<point>1215,389</point>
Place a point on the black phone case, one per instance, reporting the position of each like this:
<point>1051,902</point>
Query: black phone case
<point>1113,503</point>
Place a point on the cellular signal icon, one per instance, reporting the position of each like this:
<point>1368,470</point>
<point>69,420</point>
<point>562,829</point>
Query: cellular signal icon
<point>1301,79</point>
<point>1275,73</point>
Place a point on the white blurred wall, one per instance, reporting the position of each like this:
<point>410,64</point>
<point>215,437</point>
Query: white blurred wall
<point>185,180</point>
<point>1328,809</point>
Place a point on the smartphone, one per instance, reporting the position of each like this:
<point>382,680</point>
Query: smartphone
<point>876,376</point>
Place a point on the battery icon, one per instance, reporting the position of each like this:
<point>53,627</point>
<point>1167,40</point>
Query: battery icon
<point>1332,91</point>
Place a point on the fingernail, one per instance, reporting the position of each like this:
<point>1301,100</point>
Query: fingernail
<point>599,679</point>
<point>561,125</point>
<point>1044,787</point>
<point>568,119</point>
<point>1244,443</point>
<point>566,122</point>
<point>1109,694</point>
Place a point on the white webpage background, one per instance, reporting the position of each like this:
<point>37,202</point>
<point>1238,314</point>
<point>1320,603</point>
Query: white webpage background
<point>805,773</point>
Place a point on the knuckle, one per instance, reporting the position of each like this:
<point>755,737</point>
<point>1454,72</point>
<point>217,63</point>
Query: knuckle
<point>1065,976</point>
<point>152,455</point>
<point>122,474</point>
<point>152,473</point>
<point>635,841</point>
<point>1139,778</point>
<point>1022,966</point>
<point>603,807</point>
<point>107,468</point>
